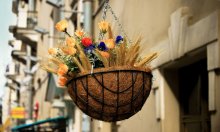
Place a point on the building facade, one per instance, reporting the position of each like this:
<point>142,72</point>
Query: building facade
<point>29,86</point>
<point>185,90</point>
<point>185,33</point>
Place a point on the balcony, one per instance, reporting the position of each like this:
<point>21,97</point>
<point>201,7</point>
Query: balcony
<point>11,73</point>
<point>12,69</point>
<point>18,50</point>
<point>24,30</point>
<point>15,6</point>
<point>12,83</point>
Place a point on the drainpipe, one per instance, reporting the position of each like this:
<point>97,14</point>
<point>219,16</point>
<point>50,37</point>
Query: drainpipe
<point>31,5</point>
<point>87,9</point>
<point>80,16</point>
<point>31,9</point>
<point>29,84</point>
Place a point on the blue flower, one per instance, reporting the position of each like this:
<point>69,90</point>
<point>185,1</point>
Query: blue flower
<point>118,39</point>
<point>89,49</point>
<point>102,46</point>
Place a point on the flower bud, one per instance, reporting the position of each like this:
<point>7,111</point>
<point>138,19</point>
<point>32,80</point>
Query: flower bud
<point>103,26</point>
<point>70,41</point>
<point>61,25</point>
<point>62,81</point>
<point>63,69</point>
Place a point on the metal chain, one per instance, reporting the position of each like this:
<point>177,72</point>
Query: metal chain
<point>105,9</point>
<point>101,35</point>
<point>119,24</point>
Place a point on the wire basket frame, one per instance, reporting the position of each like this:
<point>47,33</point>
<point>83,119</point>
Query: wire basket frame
<point>111,94</point>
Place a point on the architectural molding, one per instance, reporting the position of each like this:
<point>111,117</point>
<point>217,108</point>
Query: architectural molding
<point>158,88</point>
<point>213,56</point>
<point>212,90</point>
<point>184,38</point>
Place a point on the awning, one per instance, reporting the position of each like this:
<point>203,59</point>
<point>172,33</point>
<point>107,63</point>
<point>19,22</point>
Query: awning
<point>58,123</point>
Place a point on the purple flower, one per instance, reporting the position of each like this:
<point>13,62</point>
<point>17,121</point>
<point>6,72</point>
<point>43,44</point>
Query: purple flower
<point>89,49</point>
<point>102,46</point>
<point>118,39</point>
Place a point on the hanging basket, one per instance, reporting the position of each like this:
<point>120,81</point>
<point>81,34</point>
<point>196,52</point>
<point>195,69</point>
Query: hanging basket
<point>111,94</point>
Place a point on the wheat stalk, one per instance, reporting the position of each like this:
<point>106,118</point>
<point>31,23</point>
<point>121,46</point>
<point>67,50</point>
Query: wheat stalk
<point>133,58</point>
<point>85,61</point>
<point>132,51</point>
<point>123,52</point>
<point>110,34</point>
<point>146,60</point>
<point>55,61</point>
<point>79,48</point>
<point>104,60</point>
<point>118,56</point>
<point>75,60</point>
<point>112,58</point>
<point>49,69</point>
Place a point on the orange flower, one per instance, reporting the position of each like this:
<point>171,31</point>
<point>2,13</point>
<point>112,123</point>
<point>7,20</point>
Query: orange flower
<point>104,54</point>
<point>63,69</point>
<point>69,50</point>
<point>109,43</point>
<point>62,81</point>
<point>70,41</point>
<point>52,51</point>
<point>61,25</point>
<point>103,26</point>
<point>79,33</point>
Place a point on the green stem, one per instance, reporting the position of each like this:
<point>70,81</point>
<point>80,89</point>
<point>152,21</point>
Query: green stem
<point>65,31</point>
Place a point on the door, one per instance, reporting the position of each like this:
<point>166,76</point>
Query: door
<point>193,84</point>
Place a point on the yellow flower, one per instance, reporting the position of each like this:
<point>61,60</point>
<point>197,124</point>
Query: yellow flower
<point>52,51</point>
<point>79,33</point>
<point>70,41</point>
<point>109,43</point>
<point>104,54</point>
<point>61,25</point>
<point>62,81</point>
<point>69,50</point>
<point>103,26</point>
<point>63,69</point>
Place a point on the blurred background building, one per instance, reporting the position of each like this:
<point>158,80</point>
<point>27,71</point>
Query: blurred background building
<point>184,96</point>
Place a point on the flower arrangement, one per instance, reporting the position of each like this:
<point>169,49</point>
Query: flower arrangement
<point>80,53</point>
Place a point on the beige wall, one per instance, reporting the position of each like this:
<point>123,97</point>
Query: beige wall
<point>45,110</point>
<point>100,126</point>
<point>151,19</point>
<point>171,121</point>
<point>143,121</point>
